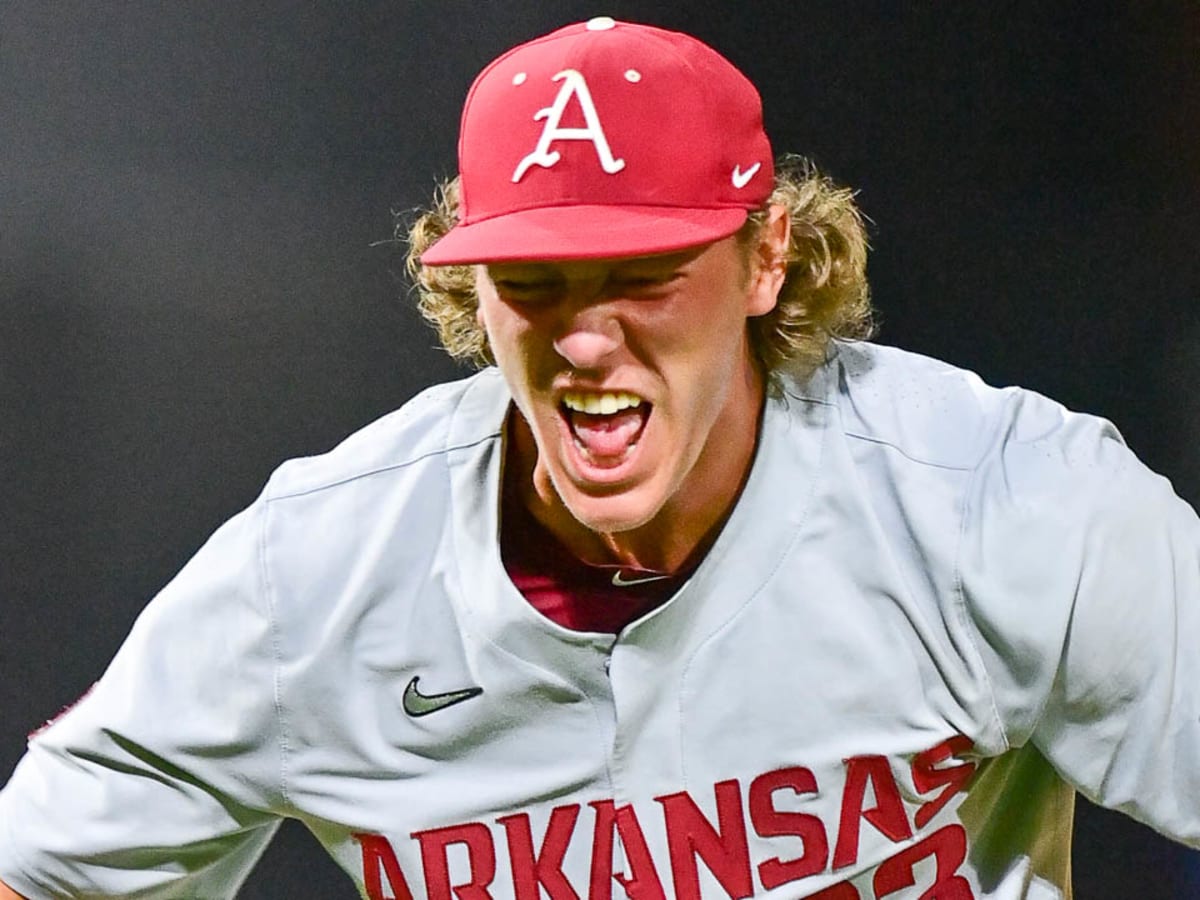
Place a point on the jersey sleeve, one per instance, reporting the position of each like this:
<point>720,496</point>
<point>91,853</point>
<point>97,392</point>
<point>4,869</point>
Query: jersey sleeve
<point>165,779</point>
<point>1080,569</point>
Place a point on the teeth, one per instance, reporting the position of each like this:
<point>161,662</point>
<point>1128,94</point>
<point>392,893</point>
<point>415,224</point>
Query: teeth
<point>601,404</point>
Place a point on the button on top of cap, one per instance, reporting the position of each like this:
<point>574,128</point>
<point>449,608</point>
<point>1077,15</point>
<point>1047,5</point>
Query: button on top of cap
<point>601,23</point>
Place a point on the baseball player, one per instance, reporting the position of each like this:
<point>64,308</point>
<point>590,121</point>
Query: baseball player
<point>691,592</point>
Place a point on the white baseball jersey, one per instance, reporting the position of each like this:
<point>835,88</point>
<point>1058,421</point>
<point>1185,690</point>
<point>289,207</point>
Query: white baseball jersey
<point>936,609</point>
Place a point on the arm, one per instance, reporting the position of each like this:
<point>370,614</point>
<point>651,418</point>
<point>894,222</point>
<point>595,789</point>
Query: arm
<point>1081,571</point>
<point>1122,721</point>
<point>164,780</point>
<point>7,893</point>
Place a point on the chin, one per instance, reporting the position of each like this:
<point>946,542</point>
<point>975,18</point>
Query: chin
<point>609,514</point>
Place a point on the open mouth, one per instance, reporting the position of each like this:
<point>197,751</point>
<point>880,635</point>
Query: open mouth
<point>605,426</point>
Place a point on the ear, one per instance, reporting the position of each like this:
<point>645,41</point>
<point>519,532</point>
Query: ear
<point>769,261</point>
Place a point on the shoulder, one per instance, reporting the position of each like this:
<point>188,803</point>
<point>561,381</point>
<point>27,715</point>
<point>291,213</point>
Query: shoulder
<point>429,427</point>
<point>352,535</point>
<point>933,413</point>
<point>1062,544</point>
<point>926,410</point>
<point>1029,513</point>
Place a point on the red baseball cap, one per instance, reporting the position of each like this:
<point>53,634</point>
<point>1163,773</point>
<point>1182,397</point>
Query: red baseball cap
<point>605,139</point>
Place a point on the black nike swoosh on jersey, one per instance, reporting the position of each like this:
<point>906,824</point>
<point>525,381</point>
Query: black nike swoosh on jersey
<point>417,704</point>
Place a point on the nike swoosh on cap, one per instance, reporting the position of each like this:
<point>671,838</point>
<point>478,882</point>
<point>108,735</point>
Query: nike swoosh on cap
<point>417,704</point>
<point>740,179</point>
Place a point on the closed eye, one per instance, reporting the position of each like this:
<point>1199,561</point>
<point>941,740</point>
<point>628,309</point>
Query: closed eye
<point>522,291</point>
<point>641,284</point>
<point>641,281</point>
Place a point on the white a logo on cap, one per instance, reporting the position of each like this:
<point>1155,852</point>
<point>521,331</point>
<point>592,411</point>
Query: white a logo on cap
<point>542,155</point>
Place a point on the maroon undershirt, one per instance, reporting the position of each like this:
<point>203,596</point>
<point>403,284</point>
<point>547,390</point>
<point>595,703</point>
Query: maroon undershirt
<point>565,589</point>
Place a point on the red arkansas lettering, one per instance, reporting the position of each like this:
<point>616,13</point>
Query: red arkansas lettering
<point>722,845</point>
<point>378,854</point>
<point>481,854</point>
<point>642,883</point>
<point>770,822</point>
<point>843,890</point>
<point>948,847</point>
<point>542,868</point>
<point>927,775</point>
<point>887,814</point>
<point>690,834</point>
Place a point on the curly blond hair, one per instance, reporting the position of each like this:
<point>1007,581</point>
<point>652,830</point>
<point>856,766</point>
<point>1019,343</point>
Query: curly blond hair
<point>824,295</point>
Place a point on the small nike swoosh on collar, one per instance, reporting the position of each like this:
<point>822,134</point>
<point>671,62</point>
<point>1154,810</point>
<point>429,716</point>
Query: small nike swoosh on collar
<point>740,179</point>
<point>620,580</point>
<point>417,704</point>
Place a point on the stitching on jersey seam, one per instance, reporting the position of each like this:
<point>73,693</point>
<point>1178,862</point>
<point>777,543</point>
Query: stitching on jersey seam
<point>965,619</point>
<point>302,492</point>
<point>486,638</point>
<point>909,456</point>
<point>818,472</point>
<point>276,654</point>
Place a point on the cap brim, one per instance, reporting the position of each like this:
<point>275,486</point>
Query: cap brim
<point>582,232</point>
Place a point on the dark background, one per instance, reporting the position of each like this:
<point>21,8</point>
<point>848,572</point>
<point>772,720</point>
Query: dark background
<point>197,278</point>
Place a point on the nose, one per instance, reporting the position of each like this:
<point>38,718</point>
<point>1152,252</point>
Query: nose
<point>590,336</point>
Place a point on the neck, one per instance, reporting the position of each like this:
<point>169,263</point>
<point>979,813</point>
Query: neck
<point>687,524</point>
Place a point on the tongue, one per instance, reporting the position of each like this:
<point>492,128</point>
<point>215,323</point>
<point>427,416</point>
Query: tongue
<point>608,436</point>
